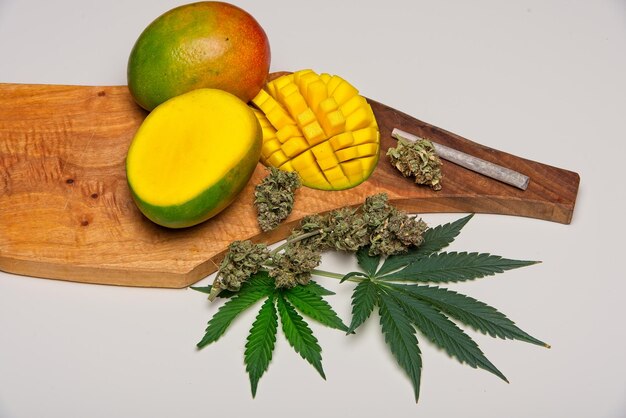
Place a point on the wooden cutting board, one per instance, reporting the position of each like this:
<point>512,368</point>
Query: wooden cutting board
<point>66,212</point>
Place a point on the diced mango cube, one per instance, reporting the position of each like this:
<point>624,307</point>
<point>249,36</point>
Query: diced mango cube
<point>261,98</point>
<point>347,154</point>
<point>271,88</point>
<point>279,117</point>
<point>298,74</point>
<point>332,83</point>
<point>314,133</point>
<point>344,92</point>
<point>342,140</point>
<point>316,93</point>
<point>315,178</point>
<point>260,116</point>
<point>328,162</point>
<point>295,146</point>
<point>333,123</point>
<point>353,104</point>
<point>365,150</point>
<point>305,80</point>
<point>286,132</point>
<point>343,183</point>
<point>268,132</point>
<point>303,161</point>
<point>277,159</point>
<point>295,103</point>
<point>283,81</point>
<point>337,178</point>
<point>363,136</point>
<point>335,173</point>
<point>327,105</point>
<point>369,163</point>
<point>323,150</point>
<point>305,118</point>
<point>269,147</point>
<point>325,77</point>
<point>353,169</point>
<point>287,166</point>
<point>359,119</point>
<point>286,91</point>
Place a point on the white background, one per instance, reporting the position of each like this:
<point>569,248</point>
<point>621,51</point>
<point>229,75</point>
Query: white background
<point>541,79</point>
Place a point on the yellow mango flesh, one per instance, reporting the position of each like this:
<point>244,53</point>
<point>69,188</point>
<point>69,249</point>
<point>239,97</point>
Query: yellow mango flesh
<point>320,127</point>
<point>192,155</point>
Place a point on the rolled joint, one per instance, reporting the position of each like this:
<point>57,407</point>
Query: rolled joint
<point>478,165</point>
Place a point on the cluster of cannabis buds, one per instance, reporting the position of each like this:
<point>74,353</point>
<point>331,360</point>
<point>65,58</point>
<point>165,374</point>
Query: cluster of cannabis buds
<point>376,224</point>
<point>274,197</point>
<point>417,159</point>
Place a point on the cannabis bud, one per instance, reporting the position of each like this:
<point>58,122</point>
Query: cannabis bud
<point>312,232</point>
<point>293,266</point>
<point>392,231</point>
<point>274,197</point>
<point>396,234</point>
<point>242,261</point>
<point>376,210</point>
<point>417,159</point>
<point>346,230</point>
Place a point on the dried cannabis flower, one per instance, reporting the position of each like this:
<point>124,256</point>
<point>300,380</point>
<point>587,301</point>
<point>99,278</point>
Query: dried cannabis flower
<point>392,231</point>
<point>396,234</point>
<point>293,266</point>
<point>242,261</point>
<point>417,159</point>
<point>376,210</point>
<point>274,197</point>
<point>342,230</point>
<point>346,231</point>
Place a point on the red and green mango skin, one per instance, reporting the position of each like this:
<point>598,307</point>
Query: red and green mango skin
<point>210,201</point>
<point>205,44</point>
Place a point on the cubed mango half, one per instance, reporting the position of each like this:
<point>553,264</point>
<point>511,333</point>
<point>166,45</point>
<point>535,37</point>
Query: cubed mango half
<point>320,127</point>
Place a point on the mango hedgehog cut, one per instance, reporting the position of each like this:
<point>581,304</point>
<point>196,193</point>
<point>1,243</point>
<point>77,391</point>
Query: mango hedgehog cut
<point>320,127</point>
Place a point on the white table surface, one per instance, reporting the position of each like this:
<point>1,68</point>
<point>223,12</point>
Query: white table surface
<point>542,79</point>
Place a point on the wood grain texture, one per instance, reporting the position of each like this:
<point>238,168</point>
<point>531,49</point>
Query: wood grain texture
<point>66,212</point>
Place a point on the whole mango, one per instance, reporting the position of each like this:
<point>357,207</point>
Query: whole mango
<point>207,44</point>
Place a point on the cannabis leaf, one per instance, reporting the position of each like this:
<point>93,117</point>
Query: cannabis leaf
<point>400,335</point>
<point>439,237</point>
<point>261,343</point>
<point>435,239</point>
<point>283,303</point>
<point>367,262</point>
<point>405,308</point>
<point>250,293</point>
<point>316,288</point>
<point>469,311</point>
<point>313,306</point>
<point>445,333</point>
<point>454,267</point>
<point>364,299</point>
<point>299,335</point>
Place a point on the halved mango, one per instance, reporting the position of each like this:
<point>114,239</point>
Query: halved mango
<point>323,129</point>
<point>192,156</point>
